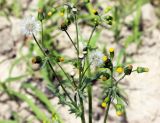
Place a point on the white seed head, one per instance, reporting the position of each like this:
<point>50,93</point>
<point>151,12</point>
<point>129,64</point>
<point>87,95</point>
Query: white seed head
<point>96,58</point>
<point>30,26</point>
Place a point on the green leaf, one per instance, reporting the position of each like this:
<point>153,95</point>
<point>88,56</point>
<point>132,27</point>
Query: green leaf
<point>8,121</point>
<point>39,114</point>
<point>95,38</point>
<point>43,98</point>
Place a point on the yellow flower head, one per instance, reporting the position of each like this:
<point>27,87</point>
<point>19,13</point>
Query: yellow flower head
<point>119,70</point>
<point>61,59</point>
<point>95,11</point>
<point>104,105</point>
<point>61,13</point>
<point>119,113</point>
<point>104,58</point>
<point>34,60</point>
<point>49,13</point>
<point>111,50</point>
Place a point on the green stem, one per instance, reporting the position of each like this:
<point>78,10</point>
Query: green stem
<point>107,111</point>
<point>80,71</point>
<point>91,35</point>
<point>50,65</point>
<point>64,72</point>
<point>71,41</point>
<point>77,33</point>
<point>89,89</point>
<point>42,33</point>
<point>82,107</point>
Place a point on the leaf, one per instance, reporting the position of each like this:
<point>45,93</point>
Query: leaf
<point>8,121</point>
<point>120,56</point>
<point>43,98</point>
<point>94,39</point>
<point>11,79</point>
<point>39,114</point>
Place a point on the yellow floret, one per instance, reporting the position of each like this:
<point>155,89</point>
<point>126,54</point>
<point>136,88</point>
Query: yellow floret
<point>61,13</point>
<point>94,11</point>
<point>119,113</point>
<point>111,49</point>
<point>104,58</point>
<point>49,13</point>
<point>119,70</point>
<point>61,59</point>
<point>104,105</point>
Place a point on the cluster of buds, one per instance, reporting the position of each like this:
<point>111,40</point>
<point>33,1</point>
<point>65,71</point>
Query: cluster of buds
<point>119,109</point>
<point>105,102</point>
<point>43,14</point>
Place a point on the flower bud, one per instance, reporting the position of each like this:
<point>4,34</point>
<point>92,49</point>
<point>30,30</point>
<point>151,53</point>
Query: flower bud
<point>37,60</point>
<point>95,12</point>
<point>61,59</point>
<point>104,58</point>
<point>111,51</point>
<point>107,99</point>
<point>108,64</point>
<point>104,104</point>
<point>49,13</point>
<point>142,69</point>
<point>64,26</point>
<point>119,113</point>
<point>119,109</point>
<point>103,78</point>
<point>108,18</point>
<point>108,9</point>
<point>41,16</point>
<point>128,70</point>
<point>119,70</point>
<point>96,22</point>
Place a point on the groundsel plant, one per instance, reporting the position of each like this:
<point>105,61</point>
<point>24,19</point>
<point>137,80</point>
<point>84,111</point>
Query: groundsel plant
<point>77,91</point>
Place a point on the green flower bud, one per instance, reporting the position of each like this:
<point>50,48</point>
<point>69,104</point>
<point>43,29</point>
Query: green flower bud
<point>108,18</point>
<point>108,64</point>
<point>64,26</point>
<point>96,21</point>
<point>37,60</point>
<point>108,9</point>
<point>128,70</point>
<point>119,109</point>
<point>111,52</point>
<point>41,15</point>
<point>142,69</point>
<point>107,99</point>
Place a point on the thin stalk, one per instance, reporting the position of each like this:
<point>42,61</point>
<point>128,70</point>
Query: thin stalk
<point>71,41</point>
<point>120,79</point>
<point>91,35</point>
<point>64,72</point>
<point>42,34</point>
<point>50,65</point>
<point>82,107</point>
<point>107,111</point>
<point>76,24</point>
<point>110,96</point>
<point>80,70</point>
<point>89,89</point>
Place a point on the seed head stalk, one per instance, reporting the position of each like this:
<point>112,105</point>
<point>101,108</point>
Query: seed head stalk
<point>80,71</point>
<point>51,67</point>
<point>89,89</point>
